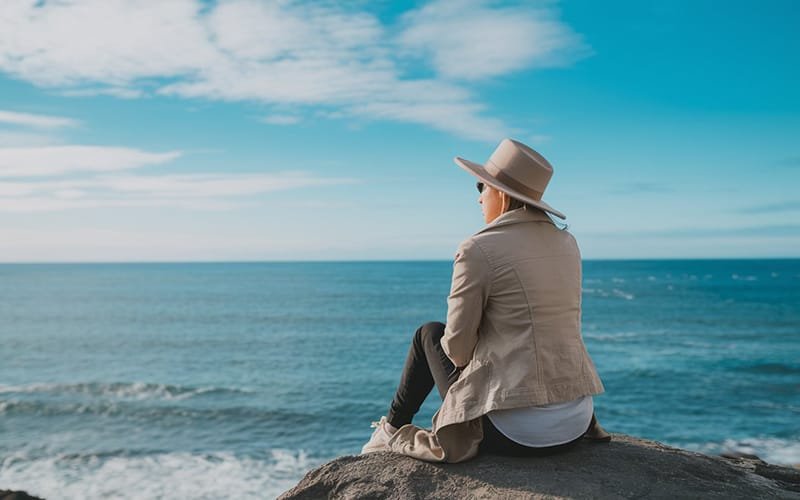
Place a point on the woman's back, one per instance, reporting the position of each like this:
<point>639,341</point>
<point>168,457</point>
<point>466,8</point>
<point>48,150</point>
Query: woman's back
<point>512,345</point>
<point>530,321</point>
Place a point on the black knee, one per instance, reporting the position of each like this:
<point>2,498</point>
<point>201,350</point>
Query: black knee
<point>429,334</point>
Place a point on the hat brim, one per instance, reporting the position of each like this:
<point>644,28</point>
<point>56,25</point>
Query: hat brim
<point>480,172</point>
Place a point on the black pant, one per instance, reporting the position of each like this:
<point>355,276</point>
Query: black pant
<point>427,365</point>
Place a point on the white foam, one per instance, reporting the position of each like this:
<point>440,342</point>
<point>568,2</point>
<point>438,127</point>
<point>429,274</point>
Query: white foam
<point>773,450</point>
<point>119,390</point>
<point>168,475</point>
<point>615,292</point>
<point>621,293</point>
<point>616,336</point>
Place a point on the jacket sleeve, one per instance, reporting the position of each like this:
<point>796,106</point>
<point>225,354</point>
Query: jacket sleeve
<point>469,293</point>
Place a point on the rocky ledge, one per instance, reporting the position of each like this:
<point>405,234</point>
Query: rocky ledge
<point>627,467</point>
<point>17,495</point>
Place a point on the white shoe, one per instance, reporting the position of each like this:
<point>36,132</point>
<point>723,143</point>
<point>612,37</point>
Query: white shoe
<point>379,438</point>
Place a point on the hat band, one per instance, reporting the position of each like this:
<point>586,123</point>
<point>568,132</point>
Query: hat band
<point>511,182</point>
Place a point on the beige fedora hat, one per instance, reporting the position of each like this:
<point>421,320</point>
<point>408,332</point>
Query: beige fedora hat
<point>517,170</point>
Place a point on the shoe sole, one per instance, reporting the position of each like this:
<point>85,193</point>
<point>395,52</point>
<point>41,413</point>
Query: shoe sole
<point>373,449</point>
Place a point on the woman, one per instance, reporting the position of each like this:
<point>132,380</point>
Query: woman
<point>510,363</point>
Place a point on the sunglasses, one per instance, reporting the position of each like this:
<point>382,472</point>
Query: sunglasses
<point>479,185</point>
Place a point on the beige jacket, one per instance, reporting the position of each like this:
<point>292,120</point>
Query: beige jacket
<point>514,325</point>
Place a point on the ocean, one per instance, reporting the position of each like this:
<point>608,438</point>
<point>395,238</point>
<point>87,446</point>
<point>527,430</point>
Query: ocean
<point>214,380</point>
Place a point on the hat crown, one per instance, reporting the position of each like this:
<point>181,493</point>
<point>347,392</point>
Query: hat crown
<point>522,164</point>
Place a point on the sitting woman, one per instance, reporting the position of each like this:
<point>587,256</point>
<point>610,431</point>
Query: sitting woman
<point>510,363</point>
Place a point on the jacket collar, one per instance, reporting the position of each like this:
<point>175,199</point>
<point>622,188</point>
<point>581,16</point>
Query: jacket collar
<point>517,216</point>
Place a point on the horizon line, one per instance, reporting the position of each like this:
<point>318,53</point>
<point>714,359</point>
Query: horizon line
<point>366,261</point>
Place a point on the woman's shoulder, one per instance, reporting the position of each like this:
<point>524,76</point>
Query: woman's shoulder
<point>514,242</point>
<point>471,249</point>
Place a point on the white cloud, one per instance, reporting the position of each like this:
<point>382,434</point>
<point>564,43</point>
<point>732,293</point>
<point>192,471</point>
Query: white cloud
<point>54,177</point>
<point>281,119</point>
<point>106,41</point>
<point>58,160</point>
<point>191,191</point>
<point>282,53</point>
<point>121,92</point>
<point>20,139</point>
<point>38,121</point>
<point>453,116</point>
<point>213,185</point>
<point>470,39</point>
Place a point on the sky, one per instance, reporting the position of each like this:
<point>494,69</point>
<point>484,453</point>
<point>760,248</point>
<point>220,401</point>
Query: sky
<point>243,130</point>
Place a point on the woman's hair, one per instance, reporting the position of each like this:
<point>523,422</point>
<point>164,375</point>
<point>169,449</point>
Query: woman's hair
<point>514,204</point>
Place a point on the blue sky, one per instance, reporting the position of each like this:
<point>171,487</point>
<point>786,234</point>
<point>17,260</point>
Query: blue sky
<point>253,130</point>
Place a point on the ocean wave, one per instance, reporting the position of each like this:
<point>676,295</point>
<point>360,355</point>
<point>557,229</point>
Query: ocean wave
<point>625,295</point>
<point>141,413</point>
<point>615,292</point>
<point>772,405</point>
<point>120,390</point>
<point>770,449</point>
<point>773,368</point>
<point>612,337</point>
<point>166,475</point>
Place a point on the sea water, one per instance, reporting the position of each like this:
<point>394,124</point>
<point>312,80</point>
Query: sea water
<point>215,380</point>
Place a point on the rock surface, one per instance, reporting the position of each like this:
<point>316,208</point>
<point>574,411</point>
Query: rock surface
<point>627,467</point>
<point>16,495</point>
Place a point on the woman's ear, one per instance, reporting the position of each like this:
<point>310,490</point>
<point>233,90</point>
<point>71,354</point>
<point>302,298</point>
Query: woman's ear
<point>506,201</point>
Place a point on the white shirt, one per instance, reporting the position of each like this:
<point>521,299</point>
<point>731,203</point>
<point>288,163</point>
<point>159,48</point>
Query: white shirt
<point>547,425</point>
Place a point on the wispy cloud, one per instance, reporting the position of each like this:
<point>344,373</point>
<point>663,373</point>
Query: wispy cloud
<point>48,177</point>
<point>281,119</point>
<point>641,188</point>
<point>285,53</point>
<point>784,206</point>
<point>59,160</point>
<point>13,138</point>
<point>34,120</point>
<point>766,230</point>
<point>121,92</point>
<point>472,39</point>
<point>191,191</point>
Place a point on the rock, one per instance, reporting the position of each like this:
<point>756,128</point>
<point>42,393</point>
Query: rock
<point>739,454</point>
<point>16,495</point>
<point>627,467</point>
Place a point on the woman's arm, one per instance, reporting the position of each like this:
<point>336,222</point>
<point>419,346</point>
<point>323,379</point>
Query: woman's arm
<point>469,292</point>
